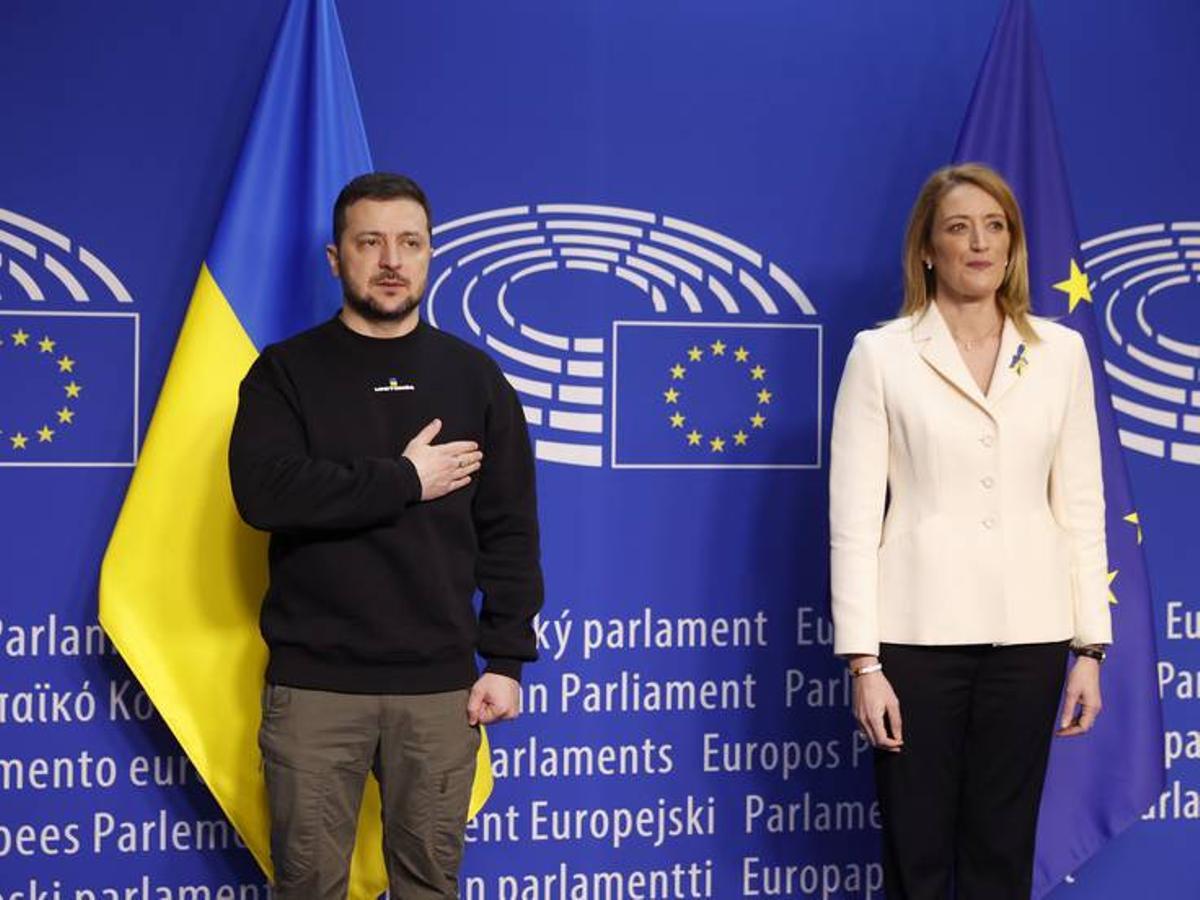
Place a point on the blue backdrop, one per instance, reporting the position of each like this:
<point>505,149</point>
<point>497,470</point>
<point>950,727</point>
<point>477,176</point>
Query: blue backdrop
<point>697,176</point>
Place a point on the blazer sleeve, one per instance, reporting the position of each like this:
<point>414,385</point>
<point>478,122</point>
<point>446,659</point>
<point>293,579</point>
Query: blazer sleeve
<point>1077,501</point>
<point>858,472</point>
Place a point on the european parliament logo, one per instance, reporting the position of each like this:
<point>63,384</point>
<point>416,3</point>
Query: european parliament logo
<point>636,339</point>
<point>1144,281</point>
<point>69,369</point>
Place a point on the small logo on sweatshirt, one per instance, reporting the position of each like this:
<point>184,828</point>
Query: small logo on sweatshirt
<point>394,385</point>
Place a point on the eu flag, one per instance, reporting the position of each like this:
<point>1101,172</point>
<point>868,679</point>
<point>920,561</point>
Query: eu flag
<point>77,399</point>
<point>716,396</point>
<point>1099,784</point>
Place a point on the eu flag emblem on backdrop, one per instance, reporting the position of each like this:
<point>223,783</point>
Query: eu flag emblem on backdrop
<point>715,396</point>
<point>1100,783</point>
<point>77,402</point>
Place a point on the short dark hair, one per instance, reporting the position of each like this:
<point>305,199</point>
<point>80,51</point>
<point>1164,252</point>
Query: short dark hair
<point>377,186</point>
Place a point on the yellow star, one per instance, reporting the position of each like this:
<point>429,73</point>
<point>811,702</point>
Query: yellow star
<point>694,438</point>
<point>717,444</point>
<point>1132,519</point>
<point>695,354</point>
<point>672,395</point>
<point>72,389</point>
<point>741,354</point>
<point>1076,288</point>
<point>718,348</point>
<point>758,420</point>
<point>46,345</point>
<point>758,373</point>
<point>1112,598</point>
<point>20,337</point>
<point>45,434</point>
<point>677,420</point>
<point>66,364</point>
<point>677,371</point>
<point>739,438</point>
<point>19,441</point>
<point>66,415</point>
<point>764,396</point>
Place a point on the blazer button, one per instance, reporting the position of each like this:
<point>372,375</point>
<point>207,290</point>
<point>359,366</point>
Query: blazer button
<point>989,522</point>
<point>987,440</point>
<point>987,481</point>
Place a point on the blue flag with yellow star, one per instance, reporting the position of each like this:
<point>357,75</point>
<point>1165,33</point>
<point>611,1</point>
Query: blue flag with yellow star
<point>77,405</point>
<point>1099,784</point>
<point>708,395</point>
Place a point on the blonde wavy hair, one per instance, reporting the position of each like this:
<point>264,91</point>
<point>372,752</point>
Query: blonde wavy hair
<point>919,282</point>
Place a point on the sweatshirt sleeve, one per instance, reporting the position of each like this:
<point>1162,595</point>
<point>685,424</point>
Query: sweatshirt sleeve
<point>508,571</point>
<point>279,487</point>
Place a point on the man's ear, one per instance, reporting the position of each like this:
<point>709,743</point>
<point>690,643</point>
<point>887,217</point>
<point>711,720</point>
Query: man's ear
<point>331,254</point>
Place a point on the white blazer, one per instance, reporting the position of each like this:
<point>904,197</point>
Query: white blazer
<point>994,524</point>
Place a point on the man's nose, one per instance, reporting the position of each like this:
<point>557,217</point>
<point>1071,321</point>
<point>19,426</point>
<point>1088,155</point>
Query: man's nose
<point>389,256</point>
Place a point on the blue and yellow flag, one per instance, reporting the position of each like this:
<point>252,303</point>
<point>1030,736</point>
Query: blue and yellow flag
<point>183,577</point>
<point>1099,784</point>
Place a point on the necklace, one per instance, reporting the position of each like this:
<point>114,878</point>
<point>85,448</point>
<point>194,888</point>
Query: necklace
<point>975,342</point>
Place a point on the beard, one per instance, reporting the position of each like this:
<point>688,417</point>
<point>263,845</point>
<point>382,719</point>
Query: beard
<point>371,310</point>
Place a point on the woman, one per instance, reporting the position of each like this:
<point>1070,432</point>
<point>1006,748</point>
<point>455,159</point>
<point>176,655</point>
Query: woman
<point>968,555</point>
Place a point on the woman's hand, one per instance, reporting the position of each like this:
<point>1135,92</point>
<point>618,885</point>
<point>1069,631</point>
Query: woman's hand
<point>877,708</point>
<point>1081,700</point>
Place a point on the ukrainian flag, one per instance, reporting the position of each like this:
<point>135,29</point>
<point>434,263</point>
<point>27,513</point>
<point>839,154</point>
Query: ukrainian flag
<point>183,577</point>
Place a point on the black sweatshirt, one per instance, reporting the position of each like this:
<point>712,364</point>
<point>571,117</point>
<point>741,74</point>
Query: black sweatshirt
<point>371,589</point>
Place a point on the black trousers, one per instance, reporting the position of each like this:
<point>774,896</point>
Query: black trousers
<point>960,801</point>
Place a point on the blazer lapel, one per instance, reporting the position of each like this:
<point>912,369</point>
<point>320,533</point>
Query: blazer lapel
<point>938,349</point>
<point>1010,362</point>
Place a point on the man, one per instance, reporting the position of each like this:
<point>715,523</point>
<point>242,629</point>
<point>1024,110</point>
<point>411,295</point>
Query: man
<point>391,464</point>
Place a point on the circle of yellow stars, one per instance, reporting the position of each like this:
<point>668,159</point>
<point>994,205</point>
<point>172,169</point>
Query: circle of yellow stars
<point>22,341</point>
<point>717,443</point>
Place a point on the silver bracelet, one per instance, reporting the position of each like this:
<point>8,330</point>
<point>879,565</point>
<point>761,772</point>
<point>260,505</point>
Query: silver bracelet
<point>866,670</point>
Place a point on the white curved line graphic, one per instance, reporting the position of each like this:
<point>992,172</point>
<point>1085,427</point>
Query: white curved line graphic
<point>500,247</point>
<point>18,243</point>
<point>106,275</point>
<point>25,280</point>
<point>764,299</point>
<point>1123,233</point>
<point>1125,251</point>
<point>49,235</point>
<point>1108,318</point>
<point>70,282</point>
<point>714,237</point>
<point>587,209</point>
<point>489,215</point>
<point>481,235</point>
<point>516,258</point>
